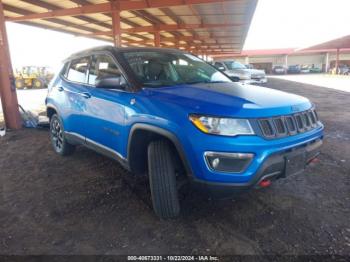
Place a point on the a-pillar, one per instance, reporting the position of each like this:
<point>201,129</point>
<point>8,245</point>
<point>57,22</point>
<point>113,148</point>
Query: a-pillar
<point>7,90</point>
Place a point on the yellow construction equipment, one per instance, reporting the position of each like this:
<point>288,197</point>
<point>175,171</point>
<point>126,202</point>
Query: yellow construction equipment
<point>32,77</point>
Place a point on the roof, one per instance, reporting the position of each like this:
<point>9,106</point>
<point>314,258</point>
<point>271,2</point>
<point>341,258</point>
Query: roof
<point>339,43</point>
<point>214,26</point>
<point>113,49</point>
<point>284,51</point>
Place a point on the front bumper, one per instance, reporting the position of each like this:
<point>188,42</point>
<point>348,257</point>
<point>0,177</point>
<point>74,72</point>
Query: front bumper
<point>255,81</point>
<point>274,167</point>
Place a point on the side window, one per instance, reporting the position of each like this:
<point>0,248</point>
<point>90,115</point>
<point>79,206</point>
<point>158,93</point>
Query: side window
<point>102,66</point>
<point>77,70</point>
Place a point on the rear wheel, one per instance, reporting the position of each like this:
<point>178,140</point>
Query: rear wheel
<point>38,83</point>
<point>58,141</point>
<point>19,83</point>
<point>162,177</point>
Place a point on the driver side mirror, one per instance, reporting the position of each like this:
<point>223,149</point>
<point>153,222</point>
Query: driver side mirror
<point>111,82</point>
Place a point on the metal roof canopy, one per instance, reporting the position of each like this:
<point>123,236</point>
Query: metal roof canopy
<point>205,27</point>
<point>339,43</point>
<point>209,26</point>
<point>335,44</point>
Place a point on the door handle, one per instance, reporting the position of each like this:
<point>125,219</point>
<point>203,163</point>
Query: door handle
<point>60,88</point>
<point>85,95</point>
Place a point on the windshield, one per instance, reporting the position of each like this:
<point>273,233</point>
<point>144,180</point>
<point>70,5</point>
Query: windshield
<point>231,65</point>
<point>154,69</point>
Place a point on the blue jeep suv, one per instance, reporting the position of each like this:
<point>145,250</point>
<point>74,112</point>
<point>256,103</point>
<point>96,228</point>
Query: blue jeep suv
<point>171,116</point>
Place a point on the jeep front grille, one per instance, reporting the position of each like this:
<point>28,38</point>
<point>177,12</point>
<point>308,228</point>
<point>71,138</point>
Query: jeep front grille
<point>288,125</point>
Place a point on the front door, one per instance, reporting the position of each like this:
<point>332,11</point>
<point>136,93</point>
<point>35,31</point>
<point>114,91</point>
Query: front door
<point>105,109</point>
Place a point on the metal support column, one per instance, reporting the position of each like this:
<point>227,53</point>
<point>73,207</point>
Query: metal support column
<point>116,23</point>
<point>337,62</point>
<point>177,44</point>
<point>326,63</point>
<point>246,60</point>
<point>286,61</point>
<point>157,39</point>
<point>7,91</point>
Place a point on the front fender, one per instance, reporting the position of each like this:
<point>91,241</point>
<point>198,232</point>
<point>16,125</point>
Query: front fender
<point>161,131</point>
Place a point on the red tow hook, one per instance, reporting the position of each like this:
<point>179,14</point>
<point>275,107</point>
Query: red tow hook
<point>265,183</point>
<point>313,160</point>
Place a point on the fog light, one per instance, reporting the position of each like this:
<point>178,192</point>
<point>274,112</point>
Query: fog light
<point>215,162</point>
<point>228,162</point>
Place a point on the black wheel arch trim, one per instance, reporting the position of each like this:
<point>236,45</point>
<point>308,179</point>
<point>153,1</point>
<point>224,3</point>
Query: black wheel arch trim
<point>163,132</point>
<point>49,105</point>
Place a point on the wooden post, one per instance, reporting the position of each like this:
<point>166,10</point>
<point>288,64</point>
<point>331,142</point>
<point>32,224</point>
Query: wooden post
<point>157,39</point>
<point>7,90</point>
<point>116,23</point>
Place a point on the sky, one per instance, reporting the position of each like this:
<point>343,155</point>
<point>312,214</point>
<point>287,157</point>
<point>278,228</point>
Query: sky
<point>297,23</point>
<point>276,24</point>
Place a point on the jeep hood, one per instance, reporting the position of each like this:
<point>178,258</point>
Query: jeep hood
<point>229,99</point>
<point>239,71</point>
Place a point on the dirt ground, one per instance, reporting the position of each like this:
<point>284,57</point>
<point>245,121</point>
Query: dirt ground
<point>84,204</point>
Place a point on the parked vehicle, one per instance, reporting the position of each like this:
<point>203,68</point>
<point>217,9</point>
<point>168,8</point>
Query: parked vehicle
<point>169,115</point>
<point>32,77</point>
<point>314,69</point>
<point>343,70</point>
<point>279,70</point>
<point>240,73</point>
<point>305,69</point>
<point>294,69</point>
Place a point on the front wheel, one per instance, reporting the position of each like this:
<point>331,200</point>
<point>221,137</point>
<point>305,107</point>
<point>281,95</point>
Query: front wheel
<point>58,141</point>
<point>19,83</point>
<point>162,177</point>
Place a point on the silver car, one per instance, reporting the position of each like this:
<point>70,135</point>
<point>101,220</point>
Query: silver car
<point>239,72</point>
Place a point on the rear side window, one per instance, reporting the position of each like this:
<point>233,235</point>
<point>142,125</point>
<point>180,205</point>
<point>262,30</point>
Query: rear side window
<point>102,66</point>
<point>78,69</point>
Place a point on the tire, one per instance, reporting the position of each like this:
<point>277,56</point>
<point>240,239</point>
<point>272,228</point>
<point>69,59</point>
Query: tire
<point>162,179</point>
<point>19,83</point>
<point>58,141</point>
<point>38,83</point>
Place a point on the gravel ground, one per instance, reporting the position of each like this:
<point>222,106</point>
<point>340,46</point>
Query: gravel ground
<point>86,204</point>
<point>338,82</point>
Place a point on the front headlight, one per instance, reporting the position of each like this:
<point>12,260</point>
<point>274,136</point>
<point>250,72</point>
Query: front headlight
<point>222,126</point>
